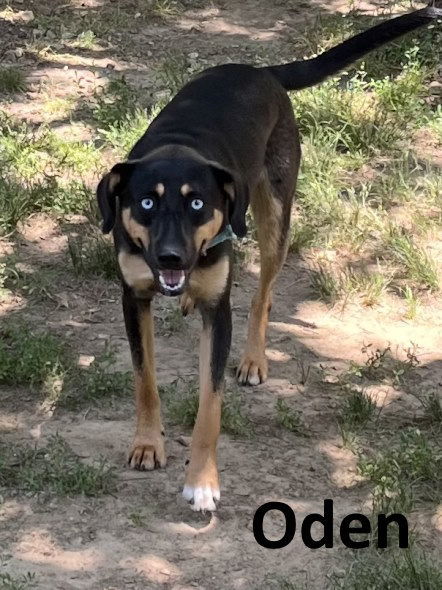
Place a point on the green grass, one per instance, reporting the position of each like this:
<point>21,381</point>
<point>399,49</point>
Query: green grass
<point>12,80</point>
<point>233,419</point>
<point>331,285</point>
<point>357,409</point>
<point>171,320</point>
<point>23,582</point>
<point>359,163</point>
<point>95,384</point>
<point>36,284</point>
<point>408,470</point>
<point>289,418</point>
<point>173,72</point>
<point>415,262</point>
<point>41,172</point>
<point>182,408</point>
<point>54,469</point>
<point>92,255</point>
<point>412,301</point>
<point>28,357</point>
<point>401,569</point>
<point>85,40</point>
<point>431,402</point>
<point>380,365</point>
<point>43,360</point>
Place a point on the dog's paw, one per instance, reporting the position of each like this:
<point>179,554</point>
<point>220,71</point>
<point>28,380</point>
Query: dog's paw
<point>147,452</point>
<point>202,498</point>
<point>201,488</point>
<point>187,304</point>
<point>252,370</point>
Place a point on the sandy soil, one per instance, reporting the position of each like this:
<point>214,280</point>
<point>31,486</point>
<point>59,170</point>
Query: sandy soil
<point>94,543</point>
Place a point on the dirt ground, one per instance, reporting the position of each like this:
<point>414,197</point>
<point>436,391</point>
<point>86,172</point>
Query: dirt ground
<point>97,544</point>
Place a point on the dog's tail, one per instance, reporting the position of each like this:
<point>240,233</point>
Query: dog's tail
<point>301,74</point>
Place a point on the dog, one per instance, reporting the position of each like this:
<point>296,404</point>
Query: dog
<point>227,140</point>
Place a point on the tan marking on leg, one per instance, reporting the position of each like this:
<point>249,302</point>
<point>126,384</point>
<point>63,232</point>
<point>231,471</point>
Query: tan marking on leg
<point>138,233</point>
<point>136,273</point>
<point>187,304</point>
<point>206,232</point>
<point>202,483</point>
<point>207,284</point>
<point>148,445</point>
<point>186,189</point>
<point>267,212</point>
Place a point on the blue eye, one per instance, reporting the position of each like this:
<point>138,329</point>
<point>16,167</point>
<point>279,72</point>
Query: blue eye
<point>196,204</point>
<point>147,203</point>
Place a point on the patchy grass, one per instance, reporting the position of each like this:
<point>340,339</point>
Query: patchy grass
<point>35,284</point>
<point>182,408</point>
<point>114,103</point>
<point>390,569</point>
<point>357,409</point>
<point>24,582</point>
<point>54,469</point>
<point>95,384</point>
<point>174,72</point>
<point>233,419</point>
<point>415,261</point>
<point>381,365</point>
<point>359,163</point>
<point>171,320</point>
<point>431,402</point>
<point>407,471</point>
<point>289,418</point>
<point>41,172</point>
<point>85,40</point>
<point>92,255</point>
<point>412,301</point>
<point>331,284</point>
<point>28,357</point>
<point>12,80</point>
<point>42,359</point>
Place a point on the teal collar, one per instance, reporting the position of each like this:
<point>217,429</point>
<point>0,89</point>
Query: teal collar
<point>226,234</point>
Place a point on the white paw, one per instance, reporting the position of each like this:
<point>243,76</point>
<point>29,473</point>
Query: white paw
<point>201,498</point>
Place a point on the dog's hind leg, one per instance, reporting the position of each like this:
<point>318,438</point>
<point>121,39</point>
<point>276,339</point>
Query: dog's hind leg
<point>147,450</point>
<point>271,206</point>
<point>267,212</point>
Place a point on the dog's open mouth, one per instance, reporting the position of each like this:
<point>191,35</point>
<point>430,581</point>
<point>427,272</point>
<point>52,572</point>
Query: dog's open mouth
<point>172,281</point>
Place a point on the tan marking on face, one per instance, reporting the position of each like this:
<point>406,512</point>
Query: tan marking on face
<point>207,284</point>
<point>159,188</point>
<point>206,232</point>
<point>186,189</point>
<point>138,232</point>
<point>135,271</point>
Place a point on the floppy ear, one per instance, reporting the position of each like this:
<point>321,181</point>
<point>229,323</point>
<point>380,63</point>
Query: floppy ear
<point>238,192</point>
<point>107,192</point>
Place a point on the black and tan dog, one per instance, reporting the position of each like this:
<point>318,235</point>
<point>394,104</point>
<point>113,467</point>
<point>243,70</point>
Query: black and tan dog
<point>228,139</point>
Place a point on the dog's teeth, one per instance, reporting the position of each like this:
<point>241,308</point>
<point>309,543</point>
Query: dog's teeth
<point>175,287</point>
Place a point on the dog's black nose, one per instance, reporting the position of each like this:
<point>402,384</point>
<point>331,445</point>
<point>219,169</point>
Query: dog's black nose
<point>170,259</point>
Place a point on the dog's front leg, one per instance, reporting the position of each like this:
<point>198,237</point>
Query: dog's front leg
<point>202,483</point>
<point>147,450</point>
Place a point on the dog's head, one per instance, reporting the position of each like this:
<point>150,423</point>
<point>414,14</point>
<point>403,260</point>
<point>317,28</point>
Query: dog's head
<point>171,209</point>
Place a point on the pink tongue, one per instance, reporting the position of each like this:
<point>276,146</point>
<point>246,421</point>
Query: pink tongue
<point>172,277</point>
